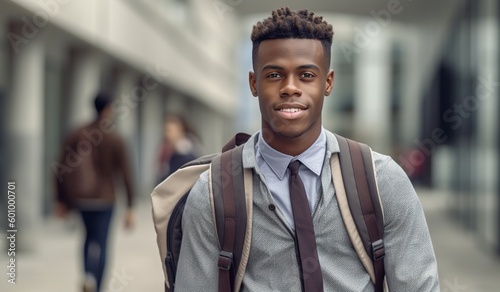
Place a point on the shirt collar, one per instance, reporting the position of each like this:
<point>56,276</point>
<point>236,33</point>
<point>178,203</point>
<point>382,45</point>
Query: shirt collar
<point>312,157</point>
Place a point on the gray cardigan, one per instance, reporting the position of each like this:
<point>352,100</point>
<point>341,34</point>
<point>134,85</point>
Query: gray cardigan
<point>410,262</point>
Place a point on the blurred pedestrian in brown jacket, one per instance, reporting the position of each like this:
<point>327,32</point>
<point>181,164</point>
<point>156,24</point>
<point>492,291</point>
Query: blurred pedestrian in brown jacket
<point>91,160</point>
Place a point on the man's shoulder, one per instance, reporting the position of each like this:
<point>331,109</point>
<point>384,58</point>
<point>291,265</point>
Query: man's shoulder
<point>390,175</point>
<point>199,193</point>
<point>381,160</point>
<point>248,153</point>
<point>386,166</point>
<point>383,163</point>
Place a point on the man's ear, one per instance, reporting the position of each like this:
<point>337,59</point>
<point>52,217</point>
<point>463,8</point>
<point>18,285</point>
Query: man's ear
<point>329,83</point>
<point>253,83</point>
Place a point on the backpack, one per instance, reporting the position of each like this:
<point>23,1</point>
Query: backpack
<point>231,194</point>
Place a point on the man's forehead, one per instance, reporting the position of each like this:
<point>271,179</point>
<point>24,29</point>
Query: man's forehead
<point>290,41</point>
<point>282,48</point>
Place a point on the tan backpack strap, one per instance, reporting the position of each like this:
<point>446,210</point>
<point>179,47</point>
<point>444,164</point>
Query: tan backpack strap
<point>347,216</point>
<point>363,199</point>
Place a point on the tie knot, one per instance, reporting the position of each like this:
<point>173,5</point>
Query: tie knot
<point>294,167</point>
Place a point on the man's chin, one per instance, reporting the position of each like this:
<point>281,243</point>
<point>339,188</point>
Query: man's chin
<point>290,134</point>
<point>285,133</point>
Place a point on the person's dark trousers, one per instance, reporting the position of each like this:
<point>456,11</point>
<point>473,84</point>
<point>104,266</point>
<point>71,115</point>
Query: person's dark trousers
<point>95,246</point>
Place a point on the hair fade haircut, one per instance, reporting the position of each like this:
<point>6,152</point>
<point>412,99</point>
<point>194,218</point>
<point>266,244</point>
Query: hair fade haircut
<point>288,24</point>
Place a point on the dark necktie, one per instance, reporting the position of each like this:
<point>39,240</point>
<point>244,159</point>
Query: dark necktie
<point>312,280</point>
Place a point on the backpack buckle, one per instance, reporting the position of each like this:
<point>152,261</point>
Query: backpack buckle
<point>225,260</point>
<point>378,251</point>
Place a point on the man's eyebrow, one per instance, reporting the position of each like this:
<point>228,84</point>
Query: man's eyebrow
<point>308,66</point>
<point>275,67</point>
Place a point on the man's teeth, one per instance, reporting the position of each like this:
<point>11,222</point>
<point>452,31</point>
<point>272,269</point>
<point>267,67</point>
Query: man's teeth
<point>290,110</point>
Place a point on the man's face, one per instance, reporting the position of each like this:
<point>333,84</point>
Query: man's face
<point>291,80</point>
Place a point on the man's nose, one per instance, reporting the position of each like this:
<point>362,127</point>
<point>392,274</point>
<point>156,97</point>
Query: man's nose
<point>290,87</point>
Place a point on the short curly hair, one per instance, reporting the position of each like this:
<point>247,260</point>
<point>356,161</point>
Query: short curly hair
<point>285,23</point>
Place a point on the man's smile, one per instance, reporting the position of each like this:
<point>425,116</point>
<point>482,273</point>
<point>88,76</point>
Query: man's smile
<point>290,110</point>
<point>291,113</point>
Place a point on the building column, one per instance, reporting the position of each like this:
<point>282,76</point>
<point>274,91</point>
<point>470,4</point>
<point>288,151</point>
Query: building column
<point>85,84</point>
<point>4,83</point>
<point>372,94</point>
<point>151,135</point>
<point>126,111</point>
<point>3,54</point>
<point>411,98</point>
<point>486,97</point>
<point>210,126</point>
<point>53,125</point>
<point>25,108</point>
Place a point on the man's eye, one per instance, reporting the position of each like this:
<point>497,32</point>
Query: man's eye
<point>307,75</point>
<point>273,75</point>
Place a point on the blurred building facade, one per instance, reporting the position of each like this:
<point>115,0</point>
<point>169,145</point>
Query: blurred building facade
<point>417,80</point>
<point>154,56</point>
<point>420,82</point>
<point>462,105</point>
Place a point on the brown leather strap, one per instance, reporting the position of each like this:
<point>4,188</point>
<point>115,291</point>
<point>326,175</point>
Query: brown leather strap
<point>240,205</point>
<point>237,140</point>
<point>361,189</point>
<point>227,247</point>
<point>372,185</point>
<point>230,213</point>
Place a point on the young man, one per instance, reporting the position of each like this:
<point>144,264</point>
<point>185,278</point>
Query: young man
<point>291,61</point>
<point>91,158</point>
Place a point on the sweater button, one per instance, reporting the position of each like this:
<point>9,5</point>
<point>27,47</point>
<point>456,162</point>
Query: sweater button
<point>272,207</point>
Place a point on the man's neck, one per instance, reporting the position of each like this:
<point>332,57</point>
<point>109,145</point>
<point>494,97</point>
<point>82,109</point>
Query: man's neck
<point>292,146</point>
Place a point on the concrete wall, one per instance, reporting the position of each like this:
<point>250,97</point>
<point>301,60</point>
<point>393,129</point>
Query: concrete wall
<point>58,53</point>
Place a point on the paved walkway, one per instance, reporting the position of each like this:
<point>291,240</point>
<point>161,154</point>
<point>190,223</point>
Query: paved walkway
<point>134,263</point>
<point>463,264</point>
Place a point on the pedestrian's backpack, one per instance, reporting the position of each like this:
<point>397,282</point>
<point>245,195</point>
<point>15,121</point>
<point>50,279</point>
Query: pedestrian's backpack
<point>231,193</point>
